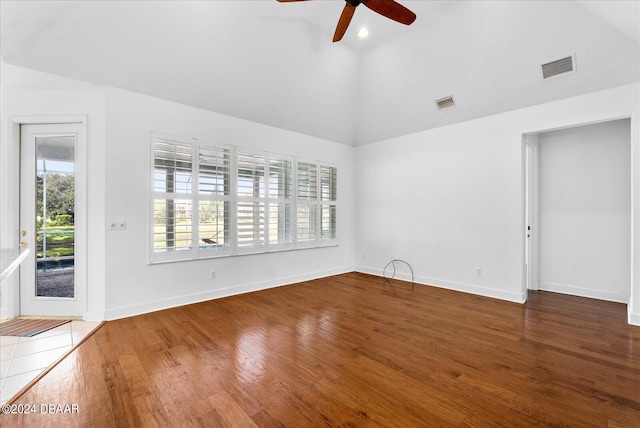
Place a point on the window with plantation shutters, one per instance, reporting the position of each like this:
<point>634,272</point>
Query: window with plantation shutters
<point>213,200</point>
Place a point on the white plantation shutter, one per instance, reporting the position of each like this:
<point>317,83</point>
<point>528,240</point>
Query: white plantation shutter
<point>307,204</point>
<point>211,200</point>
<point>328,204</point>
<point>252,202</point>
<point>173,200</point>
<point>280,203</point>
<point>214,201</point>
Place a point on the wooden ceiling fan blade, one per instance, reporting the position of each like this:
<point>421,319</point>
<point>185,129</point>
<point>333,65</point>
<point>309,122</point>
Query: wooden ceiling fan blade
<point>343,23</point>
<point>391,10</point>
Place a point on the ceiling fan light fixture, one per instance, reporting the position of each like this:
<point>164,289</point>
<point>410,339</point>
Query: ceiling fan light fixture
<point>387,8</point>
<point>363,33</point>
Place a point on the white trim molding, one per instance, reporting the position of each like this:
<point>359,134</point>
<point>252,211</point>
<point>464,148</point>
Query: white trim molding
<point>583,292</point>
<point>516,297</point>
<point>158,305</point>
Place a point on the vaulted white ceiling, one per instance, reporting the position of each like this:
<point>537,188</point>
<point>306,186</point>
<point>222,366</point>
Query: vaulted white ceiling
<point>275,63</point>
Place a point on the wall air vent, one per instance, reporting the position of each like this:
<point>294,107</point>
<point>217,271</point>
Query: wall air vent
<point>445,102</point>
<point>559,66</point>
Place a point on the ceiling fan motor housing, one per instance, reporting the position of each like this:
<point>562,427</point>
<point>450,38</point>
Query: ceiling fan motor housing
<point>355,3</point>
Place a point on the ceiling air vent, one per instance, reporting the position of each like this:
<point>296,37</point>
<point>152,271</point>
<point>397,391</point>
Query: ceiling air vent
<point>445,102</point>
<point>559,66</point>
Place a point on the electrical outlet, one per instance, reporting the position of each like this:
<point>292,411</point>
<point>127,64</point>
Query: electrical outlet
<point>212,274</point>
<point>478,272</point>
<point>117,225</point>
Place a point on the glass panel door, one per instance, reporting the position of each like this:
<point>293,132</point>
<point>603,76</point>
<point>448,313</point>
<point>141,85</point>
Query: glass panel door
<point>55,213</point>
<point>49,190</point>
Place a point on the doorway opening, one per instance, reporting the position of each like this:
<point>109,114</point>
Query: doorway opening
<point>577,210</point>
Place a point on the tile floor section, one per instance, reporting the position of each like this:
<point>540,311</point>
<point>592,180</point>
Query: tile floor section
<point>22,359</point>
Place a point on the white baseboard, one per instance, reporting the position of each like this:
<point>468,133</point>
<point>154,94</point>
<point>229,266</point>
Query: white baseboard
<point>584,292</point>
<point>517,297</point>
<point>157,305</point>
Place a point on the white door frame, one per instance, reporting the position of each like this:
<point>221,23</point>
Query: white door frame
<point>81,172</point>
<point>530,212</point>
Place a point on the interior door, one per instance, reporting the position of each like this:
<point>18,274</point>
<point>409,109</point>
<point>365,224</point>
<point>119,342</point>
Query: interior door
<point>49,284</point>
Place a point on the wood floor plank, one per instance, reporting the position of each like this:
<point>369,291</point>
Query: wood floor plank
<point>230,412</point>
<point>353,350</point>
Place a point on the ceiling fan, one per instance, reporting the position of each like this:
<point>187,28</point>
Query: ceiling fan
<point>388,8</point>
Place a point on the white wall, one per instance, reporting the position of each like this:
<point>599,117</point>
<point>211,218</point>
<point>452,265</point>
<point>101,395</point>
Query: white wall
<point>133,286</point>
<point>585,211</point>
<point>120,282</point>
<point>30,97</point>
<point>450,200</point>
<point>447,201</point>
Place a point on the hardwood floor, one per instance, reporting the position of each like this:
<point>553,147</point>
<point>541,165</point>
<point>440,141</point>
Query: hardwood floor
<point>351,351</point>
